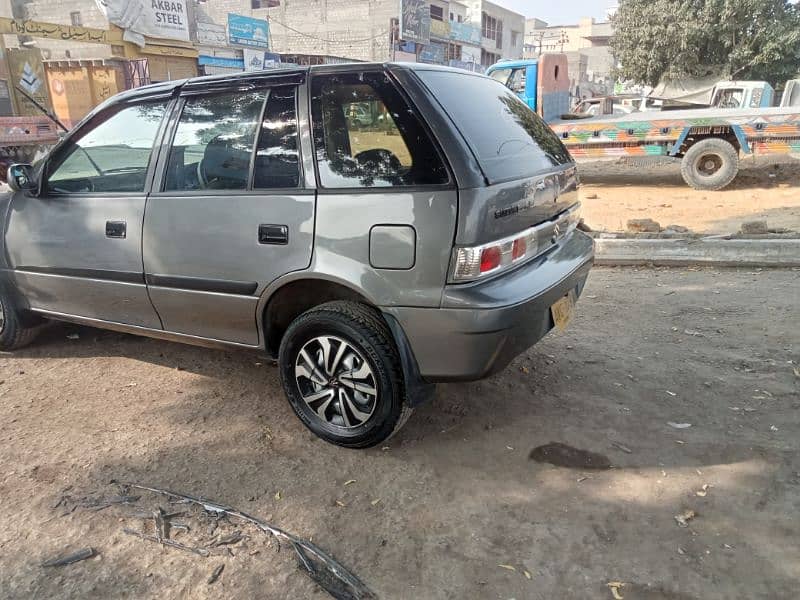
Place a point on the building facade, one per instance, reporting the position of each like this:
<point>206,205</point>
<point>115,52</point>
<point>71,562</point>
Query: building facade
<point>461,32</point>
<point>587,46</point>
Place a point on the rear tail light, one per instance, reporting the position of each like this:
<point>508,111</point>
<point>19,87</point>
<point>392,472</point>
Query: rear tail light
<point>475,262</point>
<point>491,258</point>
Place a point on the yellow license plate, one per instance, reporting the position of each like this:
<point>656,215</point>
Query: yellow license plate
<point>562,311</point>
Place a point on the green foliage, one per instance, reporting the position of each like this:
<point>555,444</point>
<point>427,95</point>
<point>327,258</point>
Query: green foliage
<point>744,39</point>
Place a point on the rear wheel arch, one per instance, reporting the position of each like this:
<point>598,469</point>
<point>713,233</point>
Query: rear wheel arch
<point>293,298</point>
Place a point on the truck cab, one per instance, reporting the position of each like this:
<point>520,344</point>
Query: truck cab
<point>542,83</point>
<point>742,94</point>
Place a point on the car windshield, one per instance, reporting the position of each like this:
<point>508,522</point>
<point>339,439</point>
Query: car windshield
<point>509,140</point>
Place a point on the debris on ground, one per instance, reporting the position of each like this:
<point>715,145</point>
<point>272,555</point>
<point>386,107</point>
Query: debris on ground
<point>508,567</point>
<point>676,229</point>
<point>683,518</point>
<point>703,491</point>
<point>78,556</point>
<point>328,573</point>
<point>562,455</point>
<point>622,447</point>
<point>215,574</point>
<point>754,228</point>
<point>643,226</point>
<point>679,425</point>
<point>615,587</point>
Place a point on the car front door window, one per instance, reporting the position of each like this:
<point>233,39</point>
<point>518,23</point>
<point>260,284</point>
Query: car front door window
<point>111,157</point>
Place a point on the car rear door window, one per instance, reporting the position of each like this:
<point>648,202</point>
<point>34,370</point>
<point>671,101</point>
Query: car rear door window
<point>277,162</point>
<point>509,140</point>
<point>367,135</point>
<point>111,157</point>
<point>213,143</point>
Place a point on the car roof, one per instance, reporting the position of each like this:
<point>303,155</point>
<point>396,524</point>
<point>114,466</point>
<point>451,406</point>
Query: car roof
<point>210,81</point>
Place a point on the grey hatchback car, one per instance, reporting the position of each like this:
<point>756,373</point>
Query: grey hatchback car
<point>433,242</point>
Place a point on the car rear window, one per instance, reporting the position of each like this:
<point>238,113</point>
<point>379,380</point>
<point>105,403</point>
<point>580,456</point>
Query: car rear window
<point>509,140</point>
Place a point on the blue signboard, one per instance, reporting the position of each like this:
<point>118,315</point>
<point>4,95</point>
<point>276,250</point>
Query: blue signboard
<point>219,61</point>
<point>432,53</point>
<point>247,31</point>
<point>464,32</point>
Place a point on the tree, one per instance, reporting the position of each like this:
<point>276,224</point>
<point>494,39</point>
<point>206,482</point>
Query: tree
<point>742,39</point>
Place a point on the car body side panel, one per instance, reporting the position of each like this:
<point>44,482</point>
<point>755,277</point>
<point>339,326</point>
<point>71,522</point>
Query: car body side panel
<point>64,262</point>
<point>342,242</point>
<point>216,238</point>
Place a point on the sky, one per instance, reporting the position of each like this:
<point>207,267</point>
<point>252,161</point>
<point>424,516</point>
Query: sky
<point>559,13</point>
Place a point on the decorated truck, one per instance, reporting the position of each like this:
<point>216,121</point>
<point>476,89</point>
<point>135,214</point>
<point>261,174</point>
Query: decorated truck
<point>707,141</point>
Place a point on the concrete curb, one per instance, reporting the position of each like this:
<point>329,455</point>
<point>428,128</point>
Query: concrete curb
<point>713,251</point>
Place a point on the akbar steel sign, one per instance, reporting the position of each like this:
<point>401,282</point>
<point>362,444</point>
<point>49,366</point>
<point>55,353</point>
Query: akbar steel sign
<point>166,19</point>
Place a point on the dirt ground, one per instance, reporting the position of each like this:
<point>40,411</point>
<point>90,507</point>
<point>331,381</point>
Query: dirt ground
<point>767,188</point>
<point>453,507</point>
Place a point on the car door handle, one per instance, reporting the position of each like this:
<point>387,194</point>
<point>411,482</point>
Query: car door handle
<point>116,229</point>
<point>273,234</point>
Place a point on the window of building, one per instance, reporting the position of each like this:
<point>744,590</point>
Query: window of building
<point>277,162</point>
<point>112,156</point>
<point>492,28</point>
<point>451,17</point>
<point>452,52</point>
<point>489,58</point>
<point>75,18</point>
<point>514,38</point>
<point>366,134</point>
<point>460,18</point>
<point>214,142</point>
<point>437,12</point>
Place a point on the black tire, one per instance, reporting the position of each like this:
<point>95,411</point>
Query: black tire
<point>710,164</point>
<point>15,333</point>
<point>362,328</point>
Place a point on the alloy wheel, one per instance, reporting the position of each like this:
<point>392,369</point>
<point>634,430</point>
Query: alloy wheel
<point>336,382</point>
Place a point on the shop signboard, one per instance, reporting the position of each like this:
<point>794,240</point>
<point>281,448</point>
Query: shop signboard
<point>415,21</point>
<point>464,32</point>
<point>166,19</point>
<point>247,31</point>
<point>440,29</point>
<point>432,53</point>
<point>211,34</point>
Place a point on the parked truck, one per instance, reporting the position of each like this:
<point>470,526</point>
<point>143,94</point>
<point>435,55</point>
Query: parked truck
<point>707,141</point>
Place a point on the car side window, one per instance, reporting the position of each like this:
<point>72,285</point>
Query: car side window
<point>367,135</point>
<point>112,156</point>
<point>214,141</point>
<point>277,162</point>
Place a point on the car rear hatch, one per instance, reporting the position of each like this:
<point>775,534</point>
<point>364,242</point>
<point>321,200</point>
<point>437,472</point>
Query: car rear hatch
<point>530,176</point>
<point>530,179</point>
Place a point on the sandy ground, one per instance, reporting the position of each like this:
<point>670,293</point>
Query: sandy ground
<point>767,188</point>
<point>457,494</point>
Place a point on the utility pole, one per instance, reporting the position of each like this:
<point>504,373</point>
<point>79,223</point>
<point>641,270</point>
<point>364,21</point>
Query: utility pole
<point>564,39</point>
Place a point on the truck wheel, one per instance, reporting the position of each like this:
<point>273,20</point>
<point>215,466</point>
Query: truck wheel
<point>710,164</point>
<point>341,372</point>
<point>14,333</point>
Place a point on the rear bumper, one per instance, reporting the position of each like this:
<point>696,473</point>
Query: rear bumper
<point>482,327</point>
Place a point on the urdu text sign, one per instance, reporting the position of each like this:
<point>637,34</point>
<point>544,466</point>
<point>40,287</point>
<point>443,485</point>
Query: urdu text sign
<point>247,31</point>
